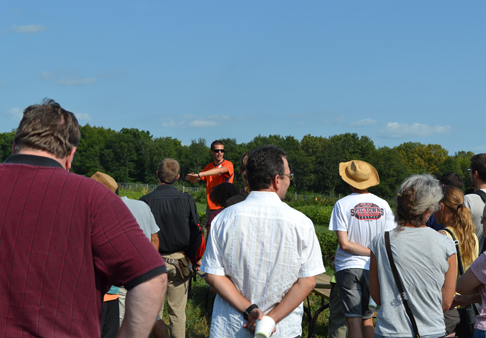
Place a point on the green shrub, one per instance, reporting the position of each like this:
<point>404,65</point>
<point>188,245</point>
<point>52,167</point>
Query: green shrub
<point>329,243</point>
<point>199,196</point>
<point>134,195</point>
<point>202,217</point>
<point>318,214</point>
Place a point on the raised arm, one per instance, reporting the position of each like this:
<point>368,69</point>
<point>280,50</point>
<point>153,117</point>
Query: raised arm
<point>194,177</point>
<point>351,247</point>
<point>142,305</point>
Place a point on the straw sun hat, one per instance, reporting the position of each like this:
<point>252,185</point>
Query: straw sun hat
<point>106,180</point>
<point>359,174</point>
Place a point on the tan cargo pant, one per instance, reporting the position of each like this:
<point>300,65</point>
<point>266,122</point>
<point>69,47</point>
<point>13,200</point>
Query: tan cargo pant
<point>176,297</point>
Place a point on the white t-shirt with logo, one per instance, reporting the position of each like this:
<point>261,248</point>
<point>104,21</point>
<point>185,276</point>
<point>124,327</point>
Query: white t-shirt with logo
<point>362,216</point>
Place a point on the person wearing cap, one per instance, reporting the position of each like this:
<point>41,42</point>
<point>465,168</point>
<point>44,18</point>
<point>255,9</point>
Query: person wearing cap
<point>113,310</point>
<point>357,219</point>
<point>66,239</point>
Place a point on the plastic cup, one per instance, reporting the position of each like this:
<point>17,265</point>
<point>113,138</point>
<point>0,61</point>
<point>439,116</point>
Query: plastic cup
<point>264,327</point>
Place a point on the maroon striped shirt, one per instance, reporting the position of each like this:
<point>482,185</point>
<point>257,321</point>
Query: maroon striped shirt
<point>64,239</point>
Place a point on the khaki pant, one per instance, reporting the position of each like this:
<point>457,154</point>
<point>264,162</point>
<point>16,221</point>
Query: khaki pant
<point>176,297</point>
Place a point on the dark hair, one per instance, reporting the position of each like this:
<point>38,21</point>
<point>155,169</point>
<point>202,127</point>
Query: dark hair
<point>220,193</point>
<point>48,127</point>
<point>243,161</point>
<point>417,194</point>
<point>478,163</point>
<point>451,178</point>
<point>217,142</point>
<point>263,165</point>
<point>168,170</point>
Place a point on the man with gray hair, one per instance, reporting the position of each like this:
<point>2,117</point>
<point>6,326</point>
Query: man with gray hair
<point>176,215</point>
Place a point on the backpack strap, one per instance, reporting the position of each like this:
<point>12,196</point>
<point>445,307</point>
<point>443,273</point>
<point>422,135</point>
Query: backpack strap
<point>481,194</point>
<point>398,281</point>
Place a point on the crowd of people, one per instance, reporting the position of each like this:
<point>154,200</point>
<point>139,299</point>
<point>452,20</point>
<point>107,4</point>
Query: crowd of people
<point>79,261</point>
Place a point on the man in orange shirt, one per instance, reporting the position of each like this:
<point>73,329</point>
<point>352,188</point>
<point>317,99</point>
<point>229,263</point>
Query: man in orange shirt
<point>216,172</point>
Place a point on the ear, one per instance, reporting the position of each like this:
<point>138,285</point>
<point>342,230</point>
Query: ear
<point>69,159</point>
<point>178,176</point>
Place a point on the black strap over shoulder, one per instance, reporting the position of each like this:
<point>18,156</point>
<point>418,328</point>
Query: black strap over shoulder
<point>459,259</point>
<point>398,281</point>
<point>481,194</point>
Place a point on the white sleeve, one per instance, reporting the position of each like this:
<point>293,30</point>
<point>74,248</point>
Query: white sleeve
<point>390,219</point>
<point>338,222</point>
<point>213,260</point>
<point>312,263</point>
<point>149,217</point>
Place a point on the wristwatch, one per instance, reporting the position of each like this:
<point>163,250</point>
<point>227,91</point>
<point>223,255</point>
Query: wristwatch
<point>247,311</point>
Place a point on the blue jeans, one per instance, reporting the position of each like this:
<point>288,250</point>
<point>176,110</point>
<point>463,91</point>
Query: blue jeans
<point>479,334</point>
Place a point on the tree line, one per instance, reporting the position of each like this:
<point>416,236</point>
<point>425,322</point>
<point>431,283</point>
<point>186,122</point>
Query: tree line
<point>132,155</point>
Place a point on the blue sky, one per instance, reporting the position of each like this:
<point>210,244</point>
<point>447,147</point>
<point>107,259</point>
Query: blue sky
<point>395,71</point>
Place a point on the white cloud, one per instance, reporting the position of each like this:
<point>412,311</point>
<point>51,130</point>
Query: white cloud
<point>172,124</point>
<point>77,81</point>
<point>28,29</point>
<point>83,116</point>
<point>203,123</point>
<point>16,114</point>
<point>399,130</point>
<point>363,123</point>
<point>193,121</point>
<point>46,76</point>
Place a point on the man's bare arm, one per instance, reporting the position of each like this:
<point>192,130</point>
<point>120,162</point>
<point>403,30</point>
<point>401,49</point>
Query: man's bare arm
<point>351,247</point>
<point>296,295</point>
<point>194,177</point>
<point>154,239</point>
<point>142,305</point>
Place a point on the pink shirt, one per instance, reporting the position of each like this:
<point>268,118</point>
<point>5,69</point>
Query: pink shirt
<point>479,270</point>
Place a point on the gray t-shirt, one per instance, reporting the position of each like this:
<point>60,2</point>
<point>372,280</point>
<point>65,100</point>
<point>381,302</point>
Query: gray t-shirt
<point>474,203</point>
<point>142,213</point>
<point>421,256</point>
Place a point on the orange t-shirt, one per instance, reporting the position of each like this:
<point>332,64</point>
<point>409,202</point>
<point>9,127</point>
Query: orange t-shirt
<point>214,180</point>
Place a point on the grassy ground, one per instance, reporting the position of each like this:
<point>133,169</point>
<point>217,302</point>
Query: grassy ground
<point>199,318</point>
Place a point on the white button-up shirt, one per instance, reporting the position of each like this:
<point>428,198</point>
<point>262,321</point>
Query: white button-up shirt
<point>263,246</point>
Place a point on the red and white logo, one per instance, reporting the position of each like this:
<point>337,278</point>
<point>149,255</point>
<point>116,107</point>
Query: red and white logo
<point>367,211</point>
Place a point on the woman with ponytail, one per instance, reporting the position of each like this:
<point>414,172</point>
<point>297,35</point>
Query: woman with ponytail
<point>459,226</point>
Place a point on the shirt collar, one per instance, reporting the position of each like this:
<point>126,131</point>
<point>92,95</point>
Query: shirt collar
<point>165,186</point>
<point>259,195</point>
<point>39,161</point>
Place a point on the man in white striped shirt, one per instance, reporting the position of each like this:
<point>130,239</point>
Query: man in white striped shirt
<point>262,256</point>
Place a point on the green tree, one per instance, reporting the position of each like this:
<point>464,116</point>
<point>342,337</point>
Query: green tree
<point>6,141</point>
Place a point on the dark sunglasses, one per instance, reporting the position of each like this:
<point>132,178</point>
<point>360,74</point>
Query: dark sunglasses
<point>218,150</point>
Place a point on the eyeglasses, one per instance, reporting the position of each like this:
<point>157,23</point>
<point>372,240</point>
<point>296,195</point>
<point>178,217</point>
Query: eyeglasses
<point>291,176</point>
<point>218,150</point>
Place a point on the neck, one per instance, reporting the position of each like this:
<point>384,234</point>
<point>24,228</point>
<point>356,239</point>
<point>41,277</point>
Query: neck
<point>218,163</point>
<point>359,191</point>
<point>43,154</point>
<point>480,185</point>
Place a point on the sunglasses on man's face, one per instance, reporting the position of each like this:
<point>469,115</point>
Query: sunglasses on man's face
<point>218,150</point>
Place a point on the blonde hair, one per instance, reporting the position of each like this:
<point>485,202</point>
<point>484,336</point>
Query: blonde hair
<point>462,222</point>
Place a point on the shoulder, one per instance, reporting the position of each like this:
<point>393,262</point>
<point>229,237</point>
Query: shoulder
<point>227,164</point>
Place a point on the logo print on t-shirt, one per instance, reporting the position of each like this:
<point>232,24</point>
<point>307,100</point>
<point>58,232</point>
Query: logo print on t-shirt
<point>367,211</point>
